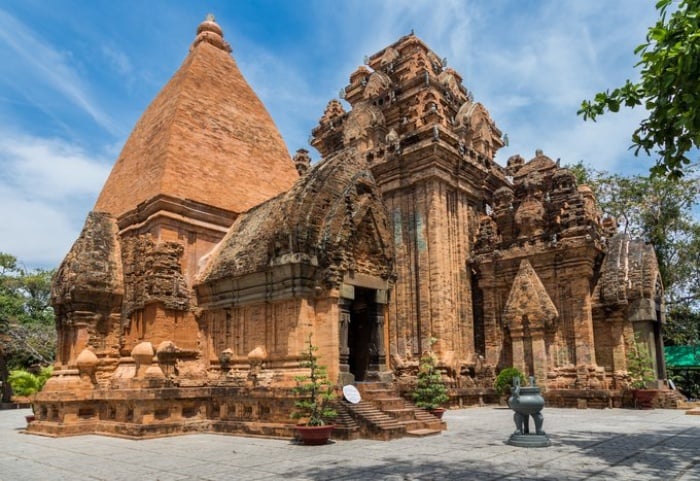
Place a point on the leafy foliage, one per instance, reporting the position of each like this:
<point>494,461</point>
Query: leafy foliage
<point>27,330</point>
<point>659,211</point>
<point>504,380</point>
<point>687,381</point>
<point>682,327</point>
<point>639,365</point>
<point>316,391</point>
<point>25,383</point>
<point>430,391</point>
<point>668,89</point>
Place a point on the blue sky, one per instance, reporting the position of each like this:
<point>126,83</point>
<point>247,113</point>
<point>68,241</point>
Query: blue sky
<point>76,75</point>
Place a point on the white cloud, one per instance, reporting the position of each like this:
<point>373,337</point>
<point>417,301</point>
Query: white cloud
<point>47,66</point>
<point>51,168</point>
<point>46,188</point>
<point>117,59</point>
<point>529,63</point>
<point>603,145</point>
<point>38,233</point>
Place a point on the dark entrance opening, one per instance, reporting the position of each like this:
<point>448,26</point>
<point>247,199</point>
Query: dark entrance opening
<point>361,333</point>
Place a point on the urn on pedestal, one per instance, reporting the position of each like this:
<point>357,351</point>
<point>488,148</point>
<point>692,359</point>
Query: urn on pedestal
<point>527,401</point>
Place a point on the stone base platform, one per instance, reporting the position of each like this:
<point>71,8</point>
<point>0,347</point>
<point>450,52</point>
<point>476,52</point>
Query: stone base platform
<point>529,440</point>
<point>236,410</point>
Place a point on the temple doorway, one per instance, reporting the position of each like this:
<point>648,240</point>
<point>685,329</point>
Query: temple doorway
<point>362,334</point>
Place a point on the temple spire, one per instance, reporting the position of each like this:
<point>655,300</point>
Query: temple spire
<point>206,137</point>
<point>209,31</point>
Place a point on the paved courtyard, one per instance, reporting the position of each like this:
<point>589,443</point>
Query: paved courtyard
<point>614,444</point>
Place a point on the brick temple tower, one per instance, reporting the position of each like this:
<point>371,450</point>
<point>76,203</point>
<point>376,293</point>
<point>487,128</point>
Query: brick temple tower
<point>204,151</point>
<point>431,149</point>
<point>212,258</point>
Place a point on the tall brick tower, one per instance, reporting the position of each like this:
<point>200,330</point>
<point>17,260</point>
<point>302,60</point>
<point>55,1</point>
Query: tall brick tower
<point>204,151</point>
<point>431,150</point>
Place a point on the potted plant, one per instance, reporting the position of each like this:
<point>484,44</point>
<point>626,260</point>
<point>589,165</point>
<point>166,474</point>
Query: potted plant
<point>27,384</point>
<point>640,370</point>
<point>504,381</point>
<point>430,392</point>
<point>316,392</point>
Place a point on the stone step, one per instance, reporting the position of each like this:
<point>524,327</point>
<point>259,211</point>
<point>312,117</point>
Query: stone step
<point>383,414</point>
<point>412,425</point>
<point>403,414</point>
<point>374,390</point>
<point>345,426</point>
<point>419,433</point>
<point>385,403</point>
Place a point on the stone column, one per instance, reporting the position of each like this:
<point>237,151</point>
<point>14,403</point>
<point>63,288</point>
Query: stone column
<point>583,321</point>
<point>619,350</point>
<point>82,320</point>
<point>344,305</point>
<point>517,341</point>
<point>539,355</point>
<point>378,360</point>
<point>493,339</point>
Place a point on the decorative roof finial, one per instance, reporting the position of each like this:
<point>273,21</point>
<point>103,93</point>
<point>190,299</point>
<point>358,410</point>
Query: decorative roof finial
<point>210,32</point>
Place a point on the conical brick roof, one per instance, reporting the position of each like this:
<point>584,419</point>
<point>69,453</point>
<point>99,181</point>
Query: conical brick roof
<point>206,137</point>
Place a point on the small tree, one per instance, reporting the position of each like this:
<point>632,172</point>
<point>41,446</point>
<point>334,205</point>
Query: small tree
<point>667,89</point>
<point>430,391</point>
<point>504,380</point>
<point>316,391</point>
<point>25,383</point>
<point>639,365</point>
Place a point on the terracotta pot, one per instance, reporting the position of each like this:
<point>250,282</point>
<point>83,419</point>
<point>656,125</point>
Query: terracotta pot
<point>315,435</point>
<point>644,398</point>
<point>437,412</point>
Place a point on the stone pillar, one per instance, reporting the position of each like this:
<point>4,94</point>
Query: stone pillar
<point>82,320</point>
<point>378,359</point>
<point>539,355</point>
<point>344,307</point>
<point>619,351</point>
<point>583,321</point>
<point>517,341</point>
<point>660,363</point>
<point>493,339</point>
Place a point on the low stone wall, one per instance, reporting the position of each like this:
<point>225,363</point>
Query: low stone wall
<point>158,412</point>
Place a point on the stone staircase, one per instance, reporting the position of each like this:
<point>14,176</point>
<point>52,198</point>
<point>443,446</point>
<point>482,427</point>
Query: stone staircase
<point>383,415</point>
<point>670,399</point>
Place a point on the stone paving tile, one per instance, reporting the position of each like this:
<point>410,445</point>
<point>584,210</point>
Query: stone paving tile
<point>222,472</point>
<point>691,472</point>
<point>587,445</point>
<point>30,471</point>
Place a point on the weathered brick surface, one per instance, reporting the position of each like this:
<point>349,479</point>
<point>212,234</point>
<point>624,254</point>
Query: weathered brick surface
<point>604,289</point>
<point>282,263</point>
<point>205,137</point>
<point>87,293</point>
<point>212,257</point>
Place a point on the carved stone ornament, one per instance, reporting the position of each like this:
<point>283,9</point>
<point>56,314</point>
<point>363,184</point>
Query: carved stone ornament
<point>528,298</point>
